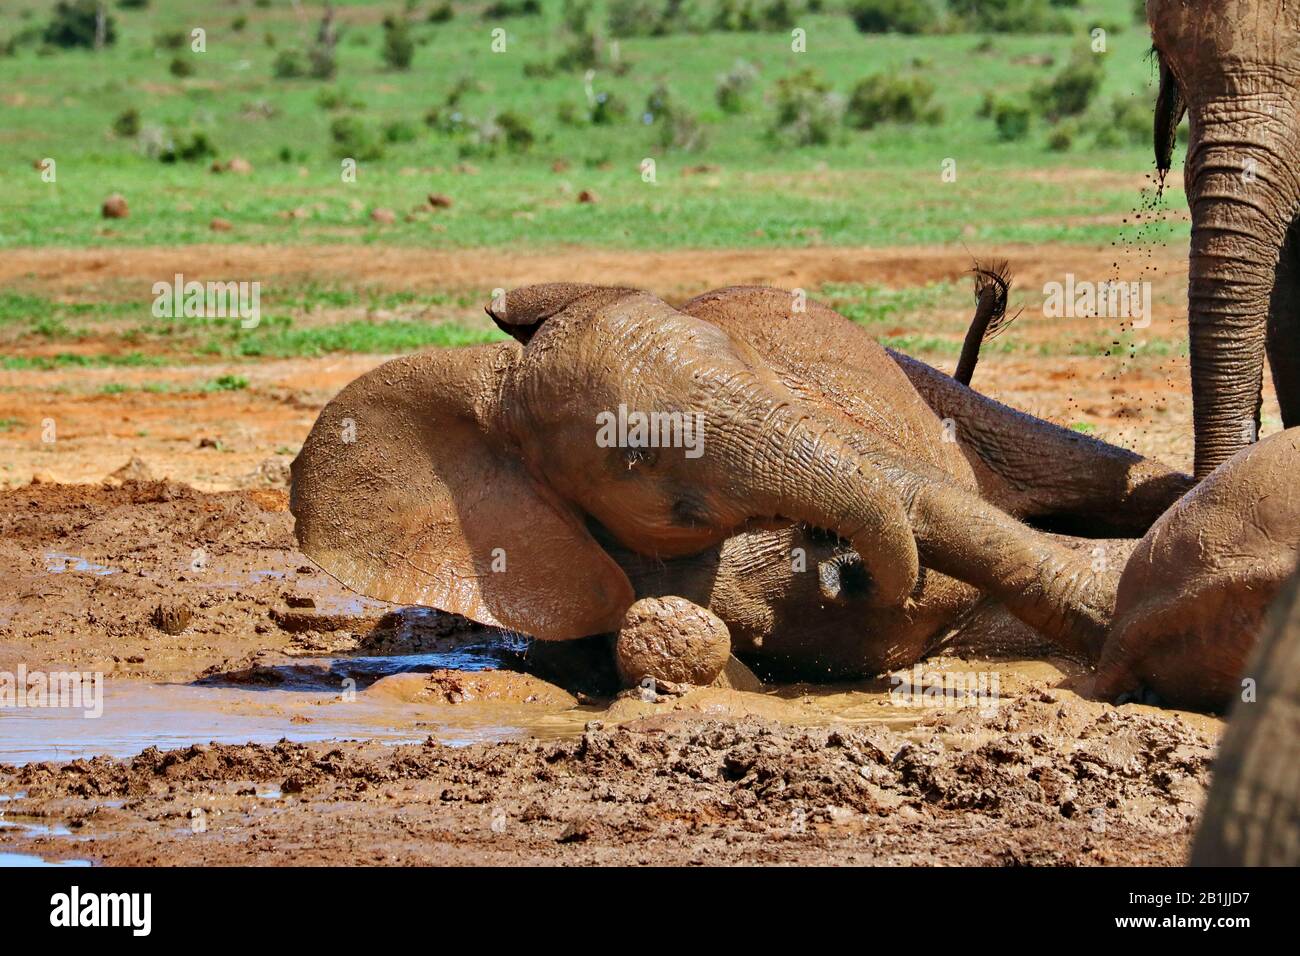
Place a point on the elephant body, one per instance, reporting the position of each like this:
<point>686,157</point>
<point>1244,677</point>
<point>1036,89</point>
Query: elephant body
<point>847,506</point>
<point>1192,600</point>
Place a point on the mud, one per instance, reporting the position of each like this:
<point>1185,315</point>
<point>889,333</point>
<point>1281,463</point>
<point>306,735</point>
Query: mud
<point>350,732</point>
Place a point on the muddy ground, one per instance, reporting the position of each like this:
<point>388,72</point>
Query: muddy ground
<point>189,596</point>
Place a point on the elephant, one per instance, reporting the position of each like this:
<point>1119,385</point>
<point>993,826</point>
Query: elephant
<point>1252,815</point>
<point>1192,598</point>
<point>476,481</point>
<point>1233,67</point>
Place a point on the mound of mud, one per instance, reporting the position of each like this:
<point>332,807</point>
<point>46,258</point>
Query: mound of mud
<point>1048,781</point>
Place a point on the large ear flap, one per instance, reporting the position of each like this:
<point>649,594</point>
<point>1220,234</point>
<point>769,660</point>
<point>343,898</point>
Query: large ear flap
<point>522,311</point>
<point>1170,108</point>
<point>405,492</point>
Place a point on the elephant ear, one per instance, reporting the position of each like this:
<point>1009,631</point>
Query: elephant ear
<point>406,492</point>
<point>520,312</point>
<point>1170,109</point>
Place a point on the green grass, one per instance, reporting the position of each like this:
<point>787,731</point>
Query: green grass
<point>880,187</point>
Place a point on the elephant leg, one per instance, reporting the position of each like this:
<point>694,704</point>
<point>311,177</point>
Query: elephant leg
<point>1050,476</point>
<point>1284,329</point>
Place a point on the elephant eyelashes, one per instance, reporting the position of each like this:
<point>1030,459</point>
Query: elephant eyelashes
<point>645,457</point>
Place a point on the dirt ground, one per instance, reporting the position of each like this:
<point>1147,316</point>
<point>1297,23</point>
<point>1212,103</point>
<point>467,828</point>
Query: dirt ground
<point>194,582</point>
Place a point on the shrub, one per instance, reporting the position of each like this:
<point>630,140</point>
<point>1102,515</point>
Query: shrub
<point>169,40</point>
<point>608,108</point>
<point>442,13</point>
<point>353,139</point>
<point>1070,91</point>
<point>127,123</point>
<point>502,9</point>
<point>892,16</point>
<point>181,66</point>
<point>678,128</point>
<point>886,98</point>
<point>1012,120</point>
<point>239,24</point>
<point>75,23</point>
<point>518,131</point>
<point>807,111</point>
<point>399,131</point>
<point>733,86</point>
<point>398,49</point>
<point>190,146</point>
<point>289,65</point>
<point>321,61</point>
<point>1009,16</point>
<point>133,4</point>
<point>1061,138</point>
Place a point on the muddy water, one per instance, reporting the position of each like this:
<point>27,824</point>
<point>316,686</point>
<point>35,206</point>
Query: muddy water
<point>383,698</point>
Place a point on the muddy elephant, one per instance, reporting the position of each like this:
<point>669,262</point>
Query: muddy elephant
<point>516,483</point>
<point>1233,66</point>
<point>1252,816</point>
<point>1193,597</point>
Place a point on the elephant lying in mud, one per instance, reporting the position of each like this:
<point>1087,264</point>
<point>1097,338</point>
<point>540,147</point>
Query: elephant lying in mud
<point>1193,597</point>
<point>1252,816</point>
<point>841,507</point>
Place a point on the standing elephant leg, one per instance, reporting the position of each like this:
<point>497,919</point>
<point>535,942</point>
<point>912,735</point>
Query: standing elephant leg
<point>1284,329</point>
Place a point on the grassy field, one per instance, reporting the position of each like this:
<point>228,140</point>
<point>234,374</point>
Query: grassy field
<point>741,188</point>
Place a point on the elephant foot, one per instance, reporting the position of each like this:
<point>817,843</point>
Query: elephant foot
<point>671,641</point>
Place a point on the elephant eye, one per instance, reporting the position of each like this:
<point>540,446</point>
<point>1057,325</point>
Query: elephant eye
<point>643,457</point>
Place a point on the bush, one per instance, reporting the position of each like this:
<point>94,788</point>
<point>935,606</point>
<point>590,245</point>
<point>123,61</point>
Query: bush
<point>321,62</point>
<point>127,123</point>
<point>518,131</point>
<point>733,86</point>
<point>169,40</point>
<point>886,98</point>
<point>189,147</point>
<point>807,111</point>
<point>239,24</point>
<point>181,66</point>
<point>289,65</point>
<point>398,49</point>
<point>1061,138</point>
<point>892,16</point>
<point>678,128</point>
<point>608,108</point>
<point>1011,119</point>
<point>399,131</point>
<point>502,9</point>
<point>441,13</point>
<point>1070,91</point>
<point>74,23</point>
<point>353,139</point>
<point>133,4</point>
<point>1009,16</point>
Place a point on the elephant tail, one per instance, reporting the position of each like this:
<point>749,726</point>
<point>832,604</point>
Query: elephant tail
<point>992,286</point>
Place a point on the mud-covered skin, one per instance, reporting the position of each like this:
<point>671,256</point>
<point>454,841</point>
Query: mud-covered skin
<point>1252,816</point>
<point>671,639</point>
<point>465,457</point>
<point>1193,597</point>
<point>1233,66</point>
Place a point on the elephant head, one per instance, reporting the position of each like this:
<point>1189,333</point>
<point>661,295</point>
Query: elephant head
<point>1233,66</point>
<point>472,479</point>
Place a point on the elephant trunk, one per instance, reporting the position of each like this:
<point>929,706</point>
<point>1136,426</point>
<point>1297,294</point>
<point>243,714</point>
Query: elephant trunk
<point>1243,195</point>
<point>802,471</point>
